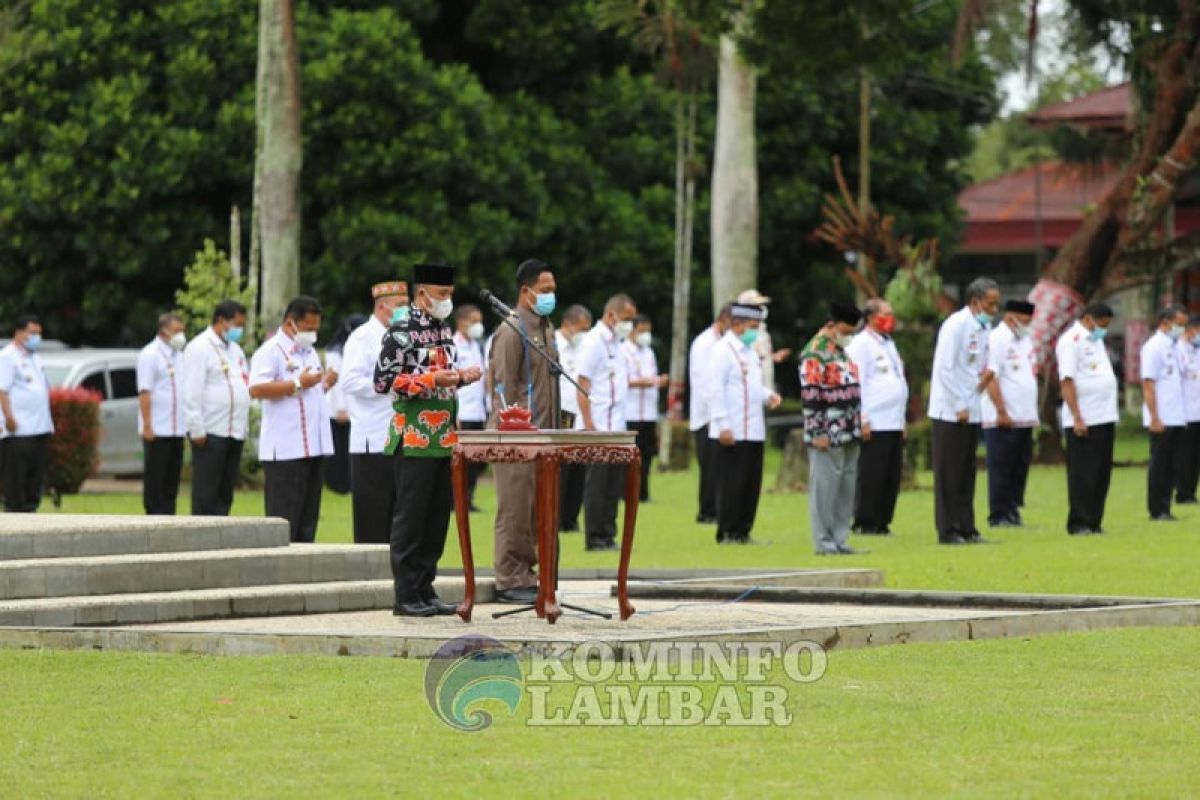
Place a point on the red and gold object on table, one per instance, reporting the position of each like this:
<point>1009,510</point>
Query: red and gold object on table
<point>516,418</point>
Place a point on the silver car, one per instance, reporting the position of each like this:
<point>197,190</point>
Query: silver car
<point>113,375</point>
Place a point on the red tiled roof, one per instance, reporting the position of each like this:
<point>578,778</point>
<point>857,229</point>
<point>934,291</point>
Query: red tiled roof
<point>1002,213</point>
<point>1110,107</point>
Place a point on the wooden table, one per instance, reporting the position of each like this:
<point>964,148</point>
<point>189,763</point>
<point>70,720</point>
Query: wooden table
<point>547,450</point>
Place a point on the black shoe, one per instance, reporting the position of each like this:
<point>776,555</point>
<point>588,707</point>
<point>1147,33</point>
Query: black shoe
<point>723,538</point>
<point>1079,530</point>
<point>474,509</point>
<point>847,550</point>
<point>443,608</point>
<point>974,537</point>
<point>599,547</point>
<point>418,608</point>
<point>951,538</point>
<point>878,531</point>
<point>1167,517</point>
<point>517,596</point>
<point>570,527</point>
<point>1185,501</point>
<point>748,540</point>
<point>704,519</point>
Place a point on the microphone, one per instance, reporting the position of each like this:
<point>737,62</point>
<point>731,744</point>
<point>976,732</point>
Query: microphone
<point>496,303</point>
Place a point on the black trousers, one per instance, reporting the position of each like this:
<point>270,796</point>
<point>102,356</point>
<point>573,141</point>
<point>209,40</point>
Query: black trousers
<point>215,469</point>
<point>880,465</point>
<point>373,496</point>
<point>1188,465</point>
<point>337,466</point>
<point>647,444</point>
<point>1008,450</point>
<point>161,464</point>
<point>424,501</point>
<point>570,495</point>
<point>706,456</point>
<point>740,466</point>
<point>474,468</point>
<point>24,472</point>
<point>1165,449</point>
<point>1089,470</point>
<point>954,447</point>
<point>292,490</point>
<point>602,491</point>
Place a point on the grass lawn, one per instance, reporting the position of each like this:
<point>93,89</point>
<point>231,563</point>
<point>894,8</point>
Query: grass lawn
<point>1107,713</point>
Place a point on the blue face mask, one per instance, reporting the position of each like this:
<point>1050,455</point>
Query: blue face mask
<point>544,305</point>
<point>1099,333</point>
<point>984,318</point>
<point>399,314</point>
<point>749,336</point>
<point>1175,332</point>
<point>33,342</point>
<point>234,335</point>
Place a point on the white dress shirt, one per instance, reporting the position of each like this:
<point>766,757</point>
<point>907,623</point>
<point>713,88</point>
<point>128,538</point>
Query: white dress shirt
<point>1085,362</point>
<point>1189,364</point>
<point>959,361</point>
<point>1161,365</point>
<point>24,379</point>
<point>736,394</point>
<point>472,398</point>
<point>297,426</point>
<point>160,372</point>
<point>641,404</point>
<point>601,362</point>
<point>216,395</point>
<point>370,412</point>
<point>699,366</point>
<point>568,356</point>
<point>881,378</point>
<point>1013,362</point>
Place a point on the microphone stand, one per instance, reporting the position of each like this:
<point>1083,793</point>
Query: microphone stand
<point>508,316</point>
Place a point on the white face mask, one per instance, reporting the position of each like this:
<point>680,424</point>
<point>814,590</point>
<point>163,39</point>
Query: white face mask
<point>642,339</point>
<point>177,341</point>
<point>623,329</point>
<point>306,338</point>
<point>475,331</point>
<point>440,309</point>
<point>1020,331</point>
<point>844,340</point>
<point>577,338</point>
<point>1175,332</point>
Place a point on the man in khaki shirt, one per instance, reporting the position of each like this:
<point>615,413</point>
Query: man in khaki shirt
<point>522,377</point>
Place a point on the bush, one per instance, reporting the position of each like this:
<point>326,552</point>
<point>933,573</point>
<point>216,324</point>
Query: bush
<point>73,453</point>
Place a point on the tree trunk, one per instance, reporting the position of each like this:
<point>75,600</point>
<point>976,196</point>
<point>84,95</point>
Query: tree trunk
<point>1091,259</point>
<point>254,266</point>
<point>793,467</point>
<point>735,179</point>
<point>282,159</point>
<point>672,455</point>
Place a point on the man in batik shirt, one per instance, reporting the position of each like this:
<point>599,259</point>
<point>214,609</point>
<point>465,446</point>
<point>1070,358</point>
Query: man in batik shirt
<point>416,364</point>
<point>832,398</point>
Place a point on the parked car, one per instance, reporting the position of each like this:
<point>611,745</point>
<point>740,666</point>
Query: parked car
<point>113,375</point>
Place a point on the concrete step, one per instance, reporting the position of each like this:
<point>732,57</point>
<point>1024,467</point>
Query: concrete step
<point>28,536</point>
<point>255,601</point>
<point>180,571</point>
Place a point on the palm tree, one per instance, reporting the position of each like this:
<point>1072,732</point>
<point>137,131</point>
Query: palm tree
<point>669,31</point>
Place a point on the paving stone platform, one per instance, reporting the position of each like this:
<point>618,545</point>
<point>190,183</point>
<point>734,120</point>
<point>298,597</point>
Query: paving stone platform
<point>235,586</point>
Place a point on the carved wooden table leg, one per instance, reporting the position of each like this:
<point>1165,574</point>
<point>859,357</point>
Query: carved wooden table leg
<point>547,523</point>
<point>462,502</point>
<point>633,488</point>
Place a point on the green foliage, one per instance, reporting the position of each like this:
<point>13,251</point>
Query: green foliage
<point>73,452</point>
<point>913,293</point>
<point>479,131</point>
<point>208,280</point>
